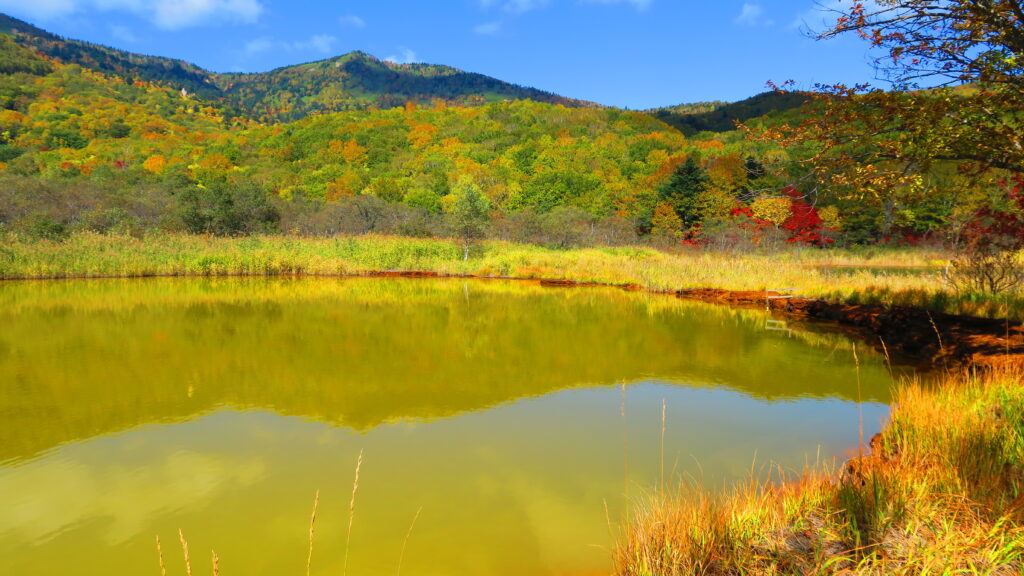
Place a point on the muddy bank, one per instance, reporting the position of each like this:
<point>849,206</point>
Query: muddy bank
<point>930,338</point>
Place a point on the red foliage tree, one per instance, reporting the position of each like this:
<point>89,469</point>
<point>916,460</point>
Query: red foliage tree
<point>1000,226</point>
<point>804,224</point>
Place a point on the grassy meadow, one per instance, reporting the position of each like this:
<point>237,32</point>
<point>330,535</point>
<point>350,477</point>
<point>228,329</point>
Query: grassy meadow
<point>868,275</point>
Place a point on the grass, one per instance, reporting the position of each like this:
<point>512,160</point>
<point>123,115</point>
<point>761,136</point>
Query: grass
<point>865,276</point>
<point>943,493</point>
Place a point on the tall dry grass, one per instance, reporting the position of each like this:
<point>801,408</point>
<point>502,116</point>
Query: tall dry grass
<point>160,555</point>
<point>312,525</point>
<point>872,275</point>
<point>942,493</point>
<point>184,551</point>
<point>405,543</point>
<point>352,510</point>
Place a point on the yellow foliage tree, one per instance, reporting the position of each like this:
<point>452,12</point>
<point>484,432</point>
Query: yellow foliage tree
<point>727,172</point>
<point>772,209</point>
<point>830,217</point>
<point>353,153</point>
<point>155,164</point>
<point>666,222</point>
<point>421,135</point>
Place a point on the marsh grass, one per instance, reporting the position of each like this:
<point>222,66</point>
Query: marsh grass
<point>352,510</point>
<point>401,556</point>
<point>312,525</point>
<point>864,276</point>
<point>160,555</point>
<point>942,493</point>
<point>184,551</point>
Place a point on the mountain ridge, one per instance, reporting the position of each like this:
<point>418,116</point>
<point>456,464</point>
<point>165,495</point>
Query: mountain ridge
<point>697,117</point>
<point>352,81</point>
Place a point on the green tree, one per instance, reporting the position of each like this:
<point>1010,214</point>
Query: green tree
<point>684,190</point>
<point>225,209</point>
<point>425,199</point>
<point>469,212</point>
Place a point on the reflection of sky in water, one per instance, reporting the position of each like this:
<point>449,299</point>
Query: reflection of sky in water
<point>47,497</point>
<point>526,483</point>
<point>132,409</point>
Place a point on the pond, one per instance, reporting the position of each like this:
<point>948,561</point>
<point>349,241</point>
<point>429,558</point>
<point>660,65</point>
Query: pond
<point>503,417</point>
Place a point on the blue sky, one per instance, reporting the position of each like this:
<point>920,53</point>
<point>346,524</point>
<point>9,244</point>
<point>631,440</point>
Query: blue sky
<point>628,53</point>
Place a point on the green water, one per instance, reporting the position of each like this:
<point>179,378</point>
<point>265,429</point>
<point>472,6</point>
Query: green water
<point>507,414</point>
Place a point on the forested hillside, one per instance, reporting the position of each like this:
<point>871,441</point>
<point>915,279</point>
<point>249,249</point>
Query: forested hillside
<point>359,81</point>
<point>355,81</point>
<point>691,119</point>
<point>124,65</point>
<point>88,143</point>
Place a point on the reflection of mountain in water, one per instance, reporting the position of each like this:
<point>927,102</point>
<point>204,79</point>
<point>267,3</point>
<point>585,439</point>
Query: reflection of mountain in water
<point>84,359</point>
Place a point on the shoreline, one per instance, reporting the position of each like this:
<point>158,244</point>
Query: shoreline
<point>926,339</point>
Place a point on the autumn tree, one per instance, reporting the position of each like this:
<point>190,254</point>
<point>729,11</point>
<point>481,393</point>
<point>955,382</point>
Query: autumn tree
<point>971,54</point>
<point>155,164</point>
<point>870,145</point>
<point>666,223</point>
<point>949,41</point>
<point>774,209</point>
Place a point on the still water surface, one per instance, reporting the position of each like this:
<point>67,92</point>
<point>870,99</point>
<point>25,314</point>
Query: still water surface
<point>508,414</point>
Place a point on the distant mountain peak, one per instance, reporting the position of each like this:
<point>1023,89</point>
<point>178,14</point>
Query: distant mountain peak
<point>353,81</point>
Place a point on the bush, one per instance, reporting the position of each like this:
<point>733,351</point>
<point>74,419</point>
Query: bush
<point>985,270</point>
<point>989,262</point>
<point>43,227</point>
<point>226,209</point>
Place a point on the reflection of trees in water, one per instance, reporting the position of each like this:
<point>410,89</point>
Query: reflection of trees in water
<point>90,358</point>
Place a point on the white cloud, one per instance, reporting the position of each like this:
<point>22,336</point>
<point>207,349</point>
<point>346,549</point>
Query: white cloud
<point>166,14</point>
<point>405,56</point>
<point>259,45</point>
<point>640,5</point>
<point>175,14</point>
<point>753,15</point>
<point>322,43</point>
<point>513,6</point>
<point>123,33</point>
<point>823,14</point>
<point>352,21</point>
<point>523,6</point>
<point>42,9</point>
<point>319,43</point>
<point>487,29</point>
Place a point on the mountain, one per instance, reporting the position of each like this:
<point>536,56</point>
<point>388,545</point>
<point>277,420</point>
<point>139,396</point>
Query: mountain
<point>355,81</point>
<point>87,150</point>
<point>358,81</point>
<point>691,119</point>
<point>87,142</point>
<point>128,66</point>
